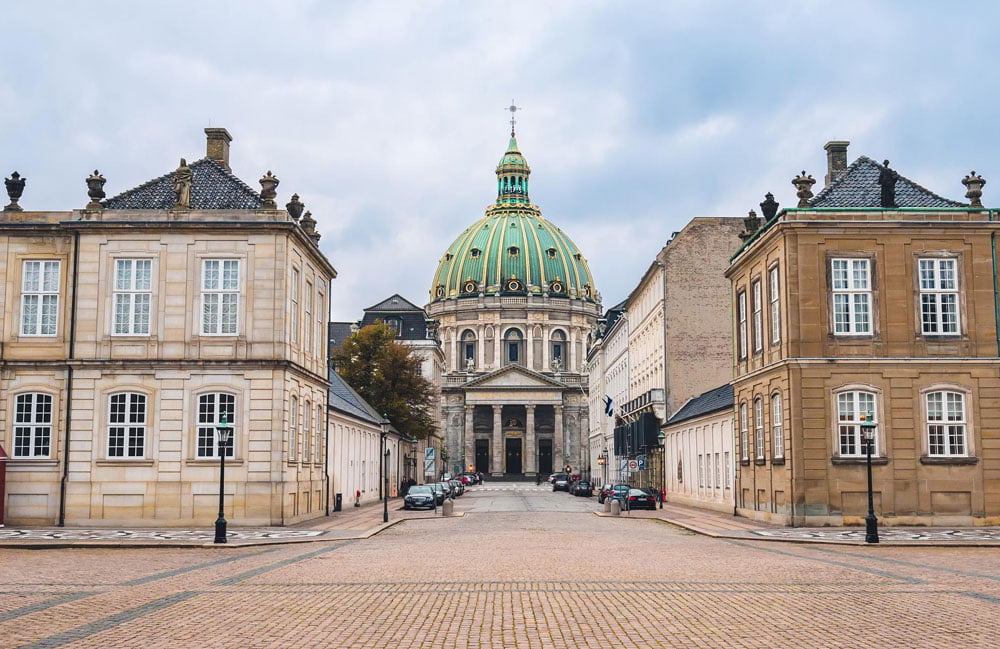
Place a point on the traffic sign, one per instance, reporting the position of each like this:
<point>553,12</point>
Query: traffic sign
<point>429,457</point>
<point>642,462</point>
<point>633,465</point>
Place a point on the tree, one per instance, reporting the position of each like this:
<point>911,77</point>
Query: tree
<point>387,375</point>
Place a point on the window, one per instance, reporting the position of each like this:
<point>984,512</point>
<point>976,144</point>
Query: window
<point>758,426</point>
<point>718,472</point>
<point>744,434</point>
<point>469,348</point>
<point>850,407</point>
<point>777,430</point>
<point>211,408</point>
<point>775,297</point>
<point>320,348</point>
<point>852,298</point>
<point>701,470</point>
<point>758,317</point>
<point>33,425</point>
<point>133,286</point>
<point>938,297</point>
<point>946,424</point>
<point>127,425</point>
<point>39,298</point>
<point>318,434</point>
<point>513,345</point>
<point>307,432</point>
<point>308,318</point>
<point>293,428</point>
<point>741,318</point>
<point>558,343</point>
<point>220,297</point>
<point>728,474</point>
<point>295,305</point>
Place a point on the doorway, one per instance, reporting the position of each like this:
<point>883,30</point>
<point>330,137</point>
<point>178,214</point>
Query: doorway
<point>545,457</point>
<point>482,456</point>
<point>513,455</point>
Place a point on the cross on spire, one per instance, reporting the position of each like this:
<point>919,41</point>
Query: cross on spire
<point>513,109</point>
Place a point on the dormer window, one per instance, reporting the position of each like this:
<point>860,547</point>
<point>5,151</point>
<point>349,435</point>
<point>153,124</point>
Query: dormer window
<point>447,256</point>
<point>512,251</point>
<point>476,252</point>
<point>551,252</point>
<point>578,257</point>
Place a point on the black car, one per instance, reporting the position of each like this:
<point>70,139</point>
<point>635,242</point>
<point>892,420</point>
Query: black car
<point>419,496</point>
<point>582,488</point>
<point>619,492</point>
<point>561,482</point>
<point>604,493</point>
<point>438,490</point>
<point>639,499</point>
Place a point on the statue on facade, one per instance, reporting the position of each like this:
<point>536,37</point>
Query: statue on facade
<point>887,181</point>
<point>556,365</point>
<point>470,365</point>
<point>182,186</point>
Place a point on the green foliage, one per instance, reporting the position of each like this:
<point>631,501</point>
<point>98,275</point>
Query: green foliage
<point>387,375</point>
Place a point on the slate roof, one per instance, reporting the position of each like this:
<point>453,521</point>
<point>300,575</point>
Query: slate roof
<point>721,398</point>
<point>346,400</point>
<point>337,332</point>
<point>395,303</point>
<point>413,320</point>
<point>859,187</point>
<point>213,188</point>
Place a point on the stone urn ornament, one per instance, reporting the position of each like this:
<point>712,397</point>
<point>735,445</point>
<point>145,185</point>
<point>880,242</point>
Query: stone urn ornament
<point>268,185</point>
<point>308,224</point>
<point>769,207</point>
<point>803,186</point>
<point>95,190</point>
<point>15,187</point>
<point>295,207</point>
<point>974,189</point>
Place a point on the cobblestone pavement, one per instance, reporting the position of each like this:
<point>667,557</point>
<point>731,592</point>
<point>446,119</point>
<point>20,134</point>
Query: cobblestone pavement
<point>541,578</point>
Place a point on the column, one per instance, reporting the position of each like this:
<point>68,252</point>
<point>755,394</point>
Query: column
<point>470,444</point>
<point>496,456</point>
<point>558,461</point>
<point>530,452</point>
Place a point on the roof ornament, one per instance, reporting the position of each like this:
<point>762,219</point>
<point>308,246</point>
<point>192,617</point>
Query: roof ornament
<point>803,185</point>
<point>15,187</point>
<point>183,178</point>
<point>751,223</point>
<point>268,185</point>
<point>887,181</point>
<point>95,189</point>
<point>295,207</point>
<point>513,109</point>
<point>974,185</point>
<point>309,227</point>
<point>769,207</point>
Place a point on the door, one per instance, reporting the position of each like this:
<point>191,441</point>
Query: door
<point>482,456</point>
<point>545,457</point>
<point>513,455</point>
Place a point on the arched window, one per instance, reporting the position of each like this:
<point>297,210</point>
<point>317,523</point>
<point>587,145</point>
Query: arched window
<point>33,425</point>
<point>513,342</point>
<point>211,408</point>
<point>946,424</point>
<point>127,425</point>
<point>558,344</point>
<point>293,427</point>
<point>850,407</point>
<point>469,348</point>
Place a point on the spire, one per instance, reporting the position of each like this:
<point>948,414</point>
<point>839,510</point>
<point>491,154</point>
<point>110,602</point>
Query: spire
<point>513,170</point>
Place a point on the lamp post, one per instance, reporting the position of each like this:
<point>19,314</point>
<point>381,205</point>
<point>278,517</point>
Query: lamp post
<point>661,473</point>
<point>385,469</point>
<point>871,523</point>
<point>602,461</point>
<point>224,432</point>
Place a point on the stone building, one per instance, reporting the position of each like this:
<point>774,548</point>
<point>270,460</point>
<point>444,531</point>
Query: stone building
<point>134,327</point>
<point>873,297</point>
<point>514,302</point>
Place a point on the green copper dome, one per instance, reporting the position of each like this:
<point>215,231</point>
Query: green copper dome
<point>513,250</point>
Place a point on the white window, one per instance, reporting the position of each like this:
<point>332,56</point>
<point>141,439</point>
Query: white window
<point>39,298</point>
<point>308,317</point>
<point>318,434</point>
<point>946,425</point>
<point>293,427</point>
<point>220,296</point>
<point>307,432</point>
<point>132,296</point>
<point>718,472</point>
<point>852,296</point>
<point>295,305</point>
<point>701,470</point>
<point>744,434</point>
<point>775,297</point>
<point>758,426</point>
<point>127,425</point>
<point>777,429</point>
<point>741,316</point>
<point>33,425</point>
<point>728,470</point>
<point>938,297</point>
<point>320,348</point>
<point>211,408</point>
<point>850,407</point>
<point>758,317</point>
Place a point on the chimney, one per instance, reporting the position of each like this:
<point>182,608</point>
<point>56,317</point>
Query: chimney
<point>218,145</point>
<point>836,159</point>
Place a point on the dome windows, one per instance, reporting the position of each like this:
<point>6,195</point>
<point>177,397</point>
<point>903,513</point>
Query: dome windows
<point>551,253</point>
<point>557,287</point>
<point>475,252</point>
<point>513,250</point>
<point>513,285</point>
<point>469,286</point>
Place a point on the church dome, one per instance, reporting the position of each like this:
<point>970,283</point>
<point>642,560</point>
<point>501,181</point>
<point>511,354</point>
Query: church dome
<point>512,249</point>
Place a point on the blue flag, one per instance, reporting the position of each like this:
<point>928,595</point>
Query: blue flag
<point>609,406</point>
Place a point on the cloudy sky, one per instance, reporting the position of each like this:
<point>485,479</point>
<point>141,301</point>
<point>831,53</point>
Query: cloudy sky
<point>387,117</point>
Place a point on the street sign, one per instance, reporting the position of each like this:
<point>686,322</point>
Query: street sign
<point>429,457</point>
<point>633,465</point>
<point>642,462</point>
<point>623,465</point>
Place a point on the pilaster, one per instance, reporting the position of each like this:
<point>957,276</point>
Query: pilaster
<point>496,457</point>
<point>530,452</point>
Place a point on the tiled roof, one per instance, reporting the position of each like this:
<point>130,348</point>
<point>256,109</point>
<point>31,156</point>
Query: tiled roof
<point>859,187</point>
<point>345,399</point>
<point>720,398</point>
<point>212,188</point>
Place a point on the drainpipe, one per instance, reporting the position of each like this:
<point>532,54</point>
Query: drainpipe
<point>69,379</point>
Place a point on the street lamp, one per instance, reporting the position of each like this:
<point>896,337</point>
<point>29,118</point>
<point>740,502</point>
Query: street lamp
<point>871,523</point>
<point>602,461</point>
<point>385,469</point>
<point>661,473</point>
<point>413,459</point>
<point>224,433</point>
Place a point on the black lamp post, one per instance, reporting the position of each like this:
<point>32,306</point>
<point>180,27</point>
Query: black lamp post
<point>385,469</point>
<point>224,432</point>
<point>602,461</point>
<point>871,523</point>
<point>661,474</point>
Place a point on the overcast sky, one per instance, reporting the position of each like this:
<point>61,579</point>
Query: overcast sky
<point>388,117</point>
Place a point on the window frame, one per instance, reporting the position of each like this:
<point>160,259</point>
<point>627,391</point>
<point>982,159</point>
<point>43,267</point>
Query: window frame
<point>307,316</point>
<point>744,433</point>
<point>777,427</point>
<point>34,426</point>
<point>741,324</point>
<point>852,291</point>
<point>964,422</point>
<point>132,293</point>
<point>757,313</point>
<point>130,428</point>
<point>760,452</point>
<point>937,293</point>
<point>515,342</point>
<point>293,300</point>
<point>293,428</point>
<point>307,431</point>
<point>774,296</point>
<point>855,422</point>
<point>40,293</point>
<point>201,425</point>
<point>222,292</point>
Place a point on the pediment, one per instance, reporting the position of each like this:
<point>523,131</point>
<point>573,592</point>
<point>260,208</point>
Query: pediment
<point>514,376</point>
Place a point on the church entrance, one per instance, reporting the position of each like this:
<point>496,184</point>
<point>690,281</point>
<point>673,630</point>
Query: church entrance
<point>513,455</point>
<point>544,457</point>
<point>482,456</point>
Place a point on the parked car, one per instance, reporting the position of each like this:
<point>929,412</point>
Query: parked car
<point>553,477</point>
<point>561,483</point>
<point>639,499</point>
<point>604,493</point>
<point>458,488</point>
<point>449,491</point>
<point>655,493</point>
<point>582,488</point>
<point>419,496</point>
<point>471,477</point>
<point>439,493</point>
<point>619,492</point>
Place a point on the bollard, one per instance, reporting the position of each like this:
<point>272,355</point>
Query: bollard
<point>616,508</point>
<point>607,505</point>
<point>447,507</point>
